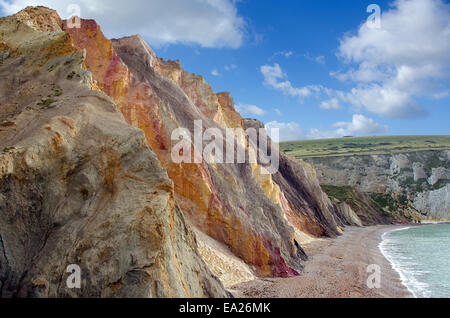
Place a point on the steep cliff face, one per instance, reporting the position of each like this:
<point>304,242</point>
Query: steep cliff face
<point>87,128</point>
<point>414,184</point>
<point>236,204</point>
<point>223,200</point>
<point>78,185</point>
<point>360,207</point>
<point>307,207</point>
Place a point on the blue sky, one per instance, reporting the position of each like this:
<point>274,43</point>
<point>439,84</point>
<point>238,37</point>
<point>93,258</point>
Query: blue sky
<point>311,68</point>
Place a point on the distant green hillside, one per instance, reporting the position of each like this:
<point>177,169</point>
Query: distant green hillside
<point>363,146</point>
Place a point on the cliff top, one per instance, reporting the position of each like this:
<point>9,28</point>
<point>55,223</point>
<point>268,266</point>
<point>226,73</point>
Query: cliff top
<point>352,146</point>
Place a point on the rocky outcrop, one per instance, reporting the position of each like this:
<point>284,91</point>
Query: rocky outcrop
<point>234,204</point>
<point>348,213</point>
<point>78,185</point>
<point>361,208</point>
<point>416,181</point>
<point>434,204</point>
<point>307,207</point>
<point>222,200</point>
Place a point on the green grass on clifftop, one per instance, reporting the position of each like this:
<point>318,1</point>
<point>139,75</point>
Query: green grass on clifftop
<point>364,146</point>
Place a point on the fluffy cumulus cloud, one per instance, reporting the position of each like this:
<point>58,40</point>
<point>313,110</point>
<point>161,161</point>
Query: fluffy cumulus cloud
<point>250,110</point>
<point>360,125</point>
<point>331,104</point>
<point>406,59</point>
<point>287,131</point>
<point>208,23</point>
<point>393,69</point>
<point>275,78</point>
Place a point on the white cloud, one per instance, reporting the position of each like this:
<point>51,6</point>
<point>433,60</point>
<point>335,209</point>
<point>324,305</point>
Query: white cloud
<point>230,67</point>
<point>331,104</point>
<point>408,58</point>
<point>360,125</point>
<point>385,101</point>
<point>278,112</point>
<point>318,59</point>
<point>287,131</point>
<point>215,72</point>
<point>274,77</point>
<point>250,110</point>
<point>286,54</point>
<point>315,133</point>
<point>208,23</point>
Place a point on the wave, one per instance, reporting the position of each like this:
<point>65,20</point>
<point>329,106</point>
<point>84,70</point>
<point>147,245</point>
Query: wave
<point>404,266</point>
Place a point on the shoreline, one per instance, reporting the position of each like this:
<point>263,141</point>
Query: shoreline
<point>388,257</point>
<point>337,268</point>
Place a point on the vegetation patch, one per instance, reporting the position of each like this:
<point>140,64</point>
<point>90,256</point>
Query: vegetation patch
<point>72,75</point>
<point>342,194</point>
<point>383,201</point>
<point>386,201</point>
<point>441,184</point>
<point>347,195</point>
<point>370,211</point>
<point>435,162</point>
<point>409,181</point>
<point>406,170</point>
<point>57,91</point>
<point>8,149</point>
<point>46,102</point>
<point>366,146</point>
<point>422,185</point>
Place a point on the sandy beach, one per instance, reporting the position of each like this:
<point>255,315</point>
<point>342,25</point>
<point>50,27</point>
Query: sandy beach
<point>337,268</point>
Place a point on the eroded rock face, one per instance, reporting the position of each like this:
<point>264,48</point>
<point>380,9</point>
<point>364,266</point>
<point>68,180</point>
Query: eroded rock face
<point>233,203</point>
<point>87,136</point>
<point>435,204</point>
<point>307,208</point>
<point>422,178</point>
<point>78,185</point>
<point>260,217</point>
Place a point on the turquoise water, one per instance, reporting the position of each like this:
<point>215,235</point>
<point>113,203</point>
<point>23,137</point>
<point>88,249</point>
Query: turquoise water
<point>421,255</point>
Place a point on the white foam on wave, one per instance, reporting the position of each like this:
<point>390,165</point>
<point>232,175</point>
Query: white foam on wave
<point>403,266</point>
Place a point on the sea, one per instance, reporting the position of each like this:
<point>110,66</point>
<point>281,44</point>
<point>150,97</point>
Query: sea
<point>421,255</point>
